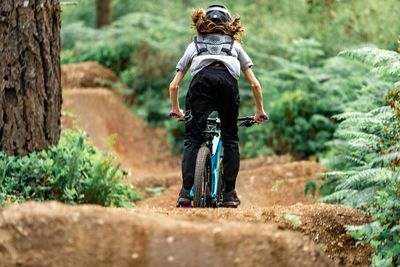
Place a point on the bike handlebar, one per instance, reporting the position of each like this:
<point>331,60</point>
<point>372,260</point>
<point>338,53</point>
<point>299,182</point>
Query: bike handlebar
<point>249,120</point>
<point>264,118</point>
<point>246,121</point>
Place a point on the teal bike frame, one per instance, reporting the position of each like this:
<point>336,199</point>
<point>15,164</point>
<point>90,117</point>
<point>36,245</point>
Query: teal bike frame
<point>212,140</point>
<point>209,170</point>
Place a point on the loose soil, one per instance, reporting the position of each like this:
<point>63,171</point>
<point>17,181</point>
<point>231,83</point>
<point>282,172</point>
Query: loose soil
<point>276,225</point>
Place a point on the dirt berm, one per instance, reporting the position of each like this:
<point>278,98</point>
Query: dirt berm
<point>87,74</point>
<point>141,150</point>
<point>54,234</point>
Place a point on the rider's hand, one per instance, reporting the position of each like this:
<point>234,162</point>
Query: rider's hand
<point>260,116</point>
<point>177,114</point>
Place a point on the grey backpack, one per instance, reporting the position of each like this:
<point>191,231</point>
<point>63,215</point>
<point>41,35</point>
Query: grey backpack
<point>214,44</point>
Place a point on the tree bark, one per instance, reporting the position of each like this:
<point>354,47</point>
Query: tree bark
<point>103,13</point>
<point>30,81</point>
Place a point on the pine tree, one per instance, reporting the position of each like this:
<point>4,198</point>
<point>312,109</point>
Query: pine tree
<point>30,82</point>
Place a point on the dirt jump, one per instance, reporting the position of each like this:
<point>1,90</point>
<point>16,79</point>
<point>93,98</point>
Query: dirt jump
<point>276,224</point>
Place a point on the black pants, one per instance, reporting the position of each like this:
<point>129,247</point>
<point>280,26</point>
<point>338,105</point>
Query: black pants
<point>212,89</point>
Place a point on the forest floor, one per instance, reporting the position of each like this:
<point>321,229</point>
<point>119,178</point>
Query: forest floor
<point>276,225</point>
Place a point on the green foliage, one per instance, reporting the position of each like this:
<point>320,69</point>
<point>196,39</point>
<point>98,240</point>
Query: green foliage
<point>128,42</point>
<point>175,135</point>
<point>302,97</point>
<point>386,63</point>
<point>253,141</point>
<point>335,24</point>
<point>291,44</point>
<point>384,233</point>
<point>365,161</point>
<point>84,10</point>
<point>77,34</point>
<point>74,172</point>
<point>139,47</point>
<point>310,187</point>
<point>292,218</point>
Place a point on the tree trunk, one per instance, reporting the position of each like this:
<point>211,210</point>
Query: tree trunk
<point>30,81</point>
<point>103,13</point>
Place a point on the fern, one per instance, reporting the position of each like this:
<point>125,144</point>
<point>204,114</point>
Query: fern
<point>384,62</point>
<point>339,196</point>
<point>388,158</point>
<point>367,178</point>
<point>364,145</point>
<point>359,135</point>
<point>355,160</point>
<point>339,174</point>
<point>363,198</point>
<point>382,110</point>
<point>366,161</point>
<point>350,115</point>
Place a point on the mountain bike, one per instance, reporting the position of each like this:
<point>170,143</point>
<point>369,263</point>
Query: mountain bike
<point>208,178</point>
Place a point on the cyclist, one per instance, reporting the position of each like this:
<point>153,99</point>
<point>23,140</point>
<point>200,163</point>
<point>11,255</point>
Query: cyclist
<point>215,58</point>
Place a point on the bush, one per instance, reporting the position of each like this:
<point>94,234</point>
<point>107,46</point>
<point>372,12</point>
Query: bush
<point>74,172</point>
<point>301,94</point>
<point>365,161</point>
<point>175,135</point>
<point>77,34</point>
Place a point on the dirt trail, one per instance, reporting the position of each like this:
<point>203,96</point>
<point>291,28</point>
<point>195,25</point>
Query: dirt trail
<point>53,234</point>
<point>276,225</point>
<point>142,150</point>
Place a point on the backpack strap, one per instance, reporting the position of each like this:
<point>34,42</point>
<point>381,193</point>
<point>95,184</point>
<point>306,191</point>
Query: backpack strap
<point>199,50</point>
<point>195,43</point>
<point>228,51</point>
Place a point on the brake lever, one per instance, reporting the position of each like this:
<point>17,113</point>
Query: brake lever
<point>250,121</point>
<point>247,123</point>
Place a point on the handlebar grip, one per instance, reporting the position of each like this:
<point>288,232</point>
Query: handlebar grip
<point>172,114</point>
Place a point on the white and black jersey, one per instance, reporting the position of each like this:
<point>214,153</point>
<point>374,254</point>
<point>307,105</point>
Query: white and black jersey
<point>196,60</point>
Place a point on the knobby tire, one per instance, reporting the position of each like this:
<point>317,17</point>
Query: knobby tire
<point>201,175</point>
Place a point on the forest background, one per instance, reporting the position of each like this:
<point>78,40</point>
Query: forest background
<point>330,72</point>
<point>292,43</point>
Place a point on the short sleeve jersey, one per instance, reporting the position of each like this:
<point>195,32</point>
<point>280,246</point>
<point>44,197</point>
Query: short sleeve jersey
<point>238,61</point>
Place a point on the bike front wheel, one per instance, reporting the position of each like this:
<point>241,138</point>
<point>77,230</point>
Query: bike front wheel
<point>202,179</point>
